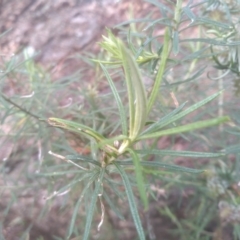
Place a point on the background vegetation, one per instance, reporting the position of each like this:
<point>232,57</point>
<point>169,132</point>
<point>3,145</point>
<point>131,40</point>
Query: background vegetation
<point>127,155</point>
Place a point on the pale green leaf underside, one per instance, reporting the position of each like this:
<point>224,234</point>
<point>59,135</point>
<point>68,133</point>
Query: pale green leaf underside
<point>137,99</point>
<point>186,128</point>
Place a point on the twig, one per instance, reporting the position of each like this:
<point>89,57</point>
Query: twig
<point>22,109</point>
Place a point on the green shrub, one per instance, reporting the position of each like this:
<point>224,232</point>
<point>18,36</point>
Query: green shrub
<point>122,128</point>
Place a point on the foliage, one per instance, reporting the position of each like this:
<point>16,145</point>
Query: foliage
<point>124,149</point>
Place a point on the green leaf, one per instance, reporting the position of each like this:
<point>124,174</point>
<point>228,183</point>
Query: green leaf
<point>132,203</point>
<point>160,73</point>
<point>81,130</point>
<point>136,93</point>
<point>121,109</point>
<point>77,206</point>
<point>161,6</point>
<point>175,42</point>
<point>211,41</point>
<point>91,207</point>
<point>112,184</point>
<point>162,21</point>
<point>186,128</point>
<point>179,153</point>
<point>52,174</point>
<point>147,19</point>
<point>155,164</point>
<point>139,177</point>
<point>75,127</point>
<point>236,132</point>
<point>194,77</point>
<point>233,149</point>
<point>215,23</point>
<point>106,62</point>
<point>77,180</point>
<point>112,206</point>
<point>84,159</point>
<point>197,55</point>
<point>170,118</point>
<point>189,13</point>
<point>155,126</point>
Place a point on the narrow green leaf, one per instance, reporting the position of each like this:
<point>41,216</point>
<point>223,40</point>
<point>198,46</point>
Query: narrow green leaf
<point>189,13</point>
<point>171,215</point>
<point>130,42</point>
<point>113,207</point>
<point>155,126</point>
<point>121,109</point>
<point>197,54</point>
<point>73,182</point>
<point>91,207</point>
<point>236,132</point>
<point>136,93</point>
<point>75,127</point>
<point>175,42</point>
<point>112,184</point>
<point>194,77</point>
<point>215,23</point>
<point>160,73</point>
<point>167,120</point>
<point>156,172</point>
<point>52,174</point>
<point>186,128</point>
<point>139,177</point>
<point>169,167</point>
<point>179,153</point>
<point>131,96</point>
<point>132,203</point>
<point>77,206</point>
<point>161,6</point>
<point>80,129</point>
<point>211,41</point>
<point>162,21</point>
<point>137,20</point>
<point>84,159</point>
<point>233,149</point>
<point>106,62</point>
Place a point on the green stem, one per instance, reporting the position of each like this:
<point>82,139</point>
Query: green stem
<point>177,13</point>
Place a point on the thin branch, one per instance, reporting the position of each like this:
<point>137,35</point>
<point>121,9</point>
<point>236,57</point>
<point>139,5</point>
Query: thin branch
<point>22,109</point>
